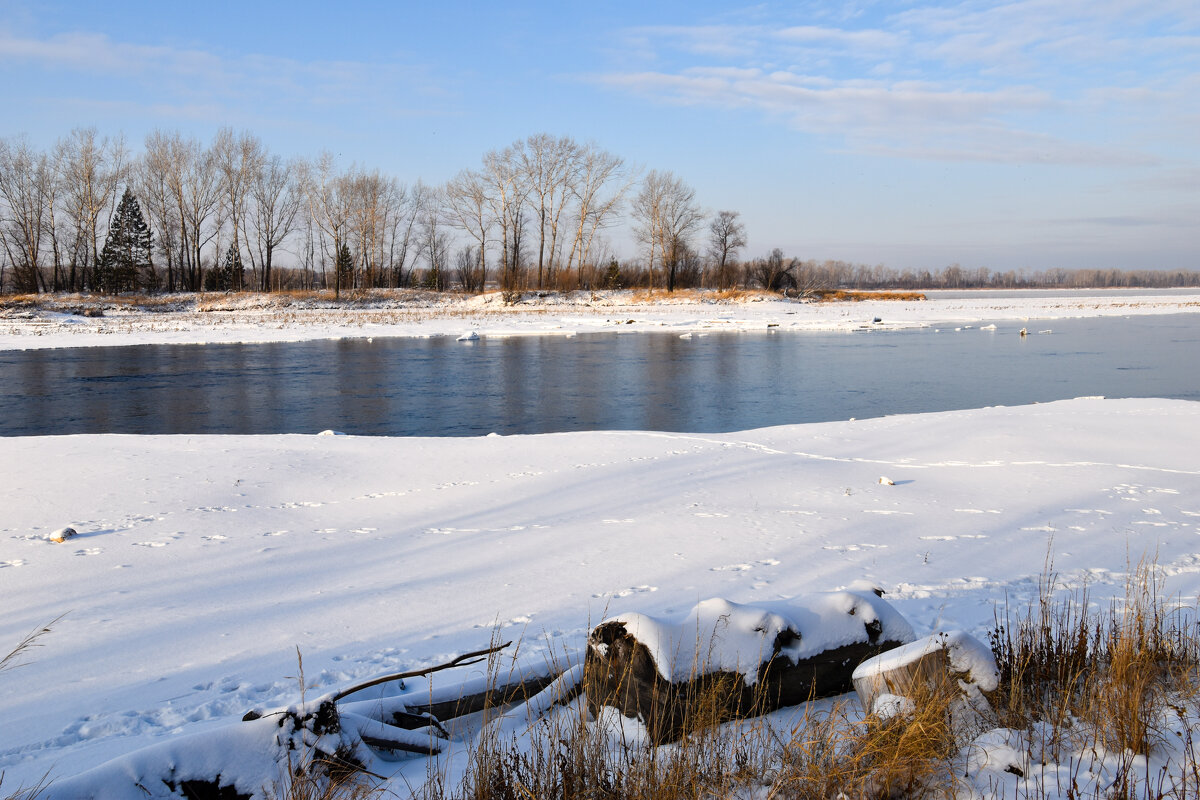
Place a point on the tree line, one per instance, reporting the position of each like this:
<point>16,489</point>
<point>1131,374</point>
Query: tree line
<point>183,215</point>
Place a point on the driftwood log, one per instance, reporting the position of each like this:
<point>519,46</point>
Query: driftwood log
<point>950,667</point>
<point>778,661</point>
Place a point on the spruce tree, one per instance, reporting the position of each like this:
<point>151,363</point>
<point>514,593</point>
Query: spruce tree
<point>125,259</point>
<point>223,278</point>
<point>344,268</point>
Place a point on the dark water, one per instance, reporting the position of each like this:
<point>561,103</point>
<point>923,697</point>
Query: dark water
<point>721,382</point>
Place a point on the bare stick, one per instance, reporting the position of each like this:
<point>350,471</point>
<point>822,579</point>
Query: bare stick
<point>461,661</point>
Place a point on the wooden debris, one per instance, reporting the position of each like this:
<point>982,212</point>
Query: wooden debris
<point>622,672</point>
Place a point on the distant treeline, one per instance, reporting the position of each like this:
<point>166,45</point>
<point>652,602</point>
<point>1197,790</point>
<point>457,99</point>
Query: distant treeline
<point>89,215</point>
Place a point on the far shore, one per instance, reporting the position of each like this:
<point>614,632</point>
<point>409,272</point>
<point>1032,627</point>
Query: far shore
<point>55,321</point>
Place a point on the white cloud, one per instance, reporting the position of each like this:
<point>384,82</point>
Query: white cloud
<point>191,78</point>
<point>1025,81</point>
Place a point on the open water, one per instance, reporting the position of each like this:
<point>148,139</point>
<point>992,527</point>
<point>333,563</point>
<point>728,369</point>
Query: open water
<point>718,382</point>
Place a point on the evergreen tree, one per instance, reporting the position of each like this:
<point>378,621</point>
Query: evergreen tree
<point>222,279</point>
<point>344,267</point>
<point>125,260</point>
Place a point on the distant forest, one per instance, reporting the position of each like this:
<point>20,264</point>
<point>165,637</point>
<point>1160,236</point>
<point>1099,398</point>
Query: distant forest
<point>88,215</point>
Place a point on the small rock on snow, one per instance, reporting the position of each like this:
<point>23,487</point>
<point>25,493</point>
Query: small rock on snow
<point>62,534</point>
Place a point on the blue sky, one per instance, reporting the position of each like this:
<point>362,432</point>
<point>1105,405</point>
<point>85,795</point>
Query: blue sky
<point>1030,134</point>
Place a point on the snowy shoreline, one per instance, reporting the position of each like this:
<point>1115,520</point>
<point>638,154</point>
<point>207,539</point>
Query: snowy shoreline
<point>204,562</point>
<point>211,319</point>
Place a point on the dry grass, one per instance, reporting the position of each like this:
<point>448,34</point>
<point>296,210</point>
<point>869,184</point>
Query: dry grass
<point>1111,674</point>
<point>854,296</point>
<point>12,660</point>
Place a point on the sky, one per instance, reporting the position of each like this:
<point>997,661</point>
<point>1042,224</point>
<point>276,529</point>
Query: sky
<point>1033,134</point>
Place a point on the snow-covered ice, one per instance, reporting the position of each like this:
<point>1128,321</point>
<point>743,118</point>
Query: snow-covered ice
<point>216,318</point>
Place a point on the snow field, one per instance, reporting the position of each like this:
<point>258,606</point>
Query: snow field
<point>204,562</point>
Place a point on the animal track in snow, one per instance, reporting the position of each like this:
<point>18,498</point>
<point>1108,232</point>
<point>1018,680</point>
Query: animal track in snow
<point>16,562</point>
<point>886,511</point>
<point>632,590</point>
<point>717,514</point>
<point>852,548</point>
<point>216,537</point>
<point>978,510</point>
<point>89,551</point>
<point>1043,528</point>
<point>615,521</point>
<point>151,544</point>
<point>938,538</point>
<point>732,568</point>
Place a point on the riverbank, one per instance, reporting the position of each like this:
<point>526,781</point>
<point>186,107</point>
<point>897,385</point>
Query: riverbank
<point>203,564</point>
<point>84,321</point>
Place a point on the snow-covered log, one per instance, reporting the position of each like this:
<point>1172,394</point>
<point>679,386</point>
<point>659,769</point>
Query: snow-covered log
<point>724,659</point>
<point>890,683</point>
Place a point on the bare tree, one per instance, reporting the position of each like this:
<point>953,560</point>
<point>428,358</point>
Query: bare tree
<point>91,170</point>
<point>726,236</point>
<point>507,192</point>
<point>435,244</point>
<point>549,166</point>
<point>200,192</point>
<point>774,273</point>
<point>599,188</point>
<point>238,159</point>
<point>666,215</point>
<point>155,190</point>
<point>466,205</point>
<point>469,269</point>
<point>329,206</point>
<point>402,238</point>
<point>25,176</point>
<point>276,199</point>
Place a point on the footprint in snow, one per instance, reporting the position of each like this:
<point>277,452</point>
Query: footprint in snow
<point>89,551</point>
<point>716,514</point>
<point>852,548</point>
<point>216,537</point>
<point>938,538</point>
<point>732,568</point>
<point>615,521</point>
<point>627,592</point>
<point>151,544</point>
<point>16,562</point>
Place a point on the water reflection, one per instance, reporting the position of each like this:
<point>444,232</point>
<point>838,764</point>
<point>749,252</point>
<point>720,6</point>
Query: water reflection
<point>720,382</point>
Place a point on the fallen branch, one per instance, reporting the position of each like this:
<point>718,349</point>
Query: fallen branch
<point>460,661</point>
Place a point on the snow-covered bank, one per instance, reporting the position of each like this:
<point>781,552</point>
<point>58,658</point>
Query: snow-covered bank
<point>272,318</point>
<point>204,562</point>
